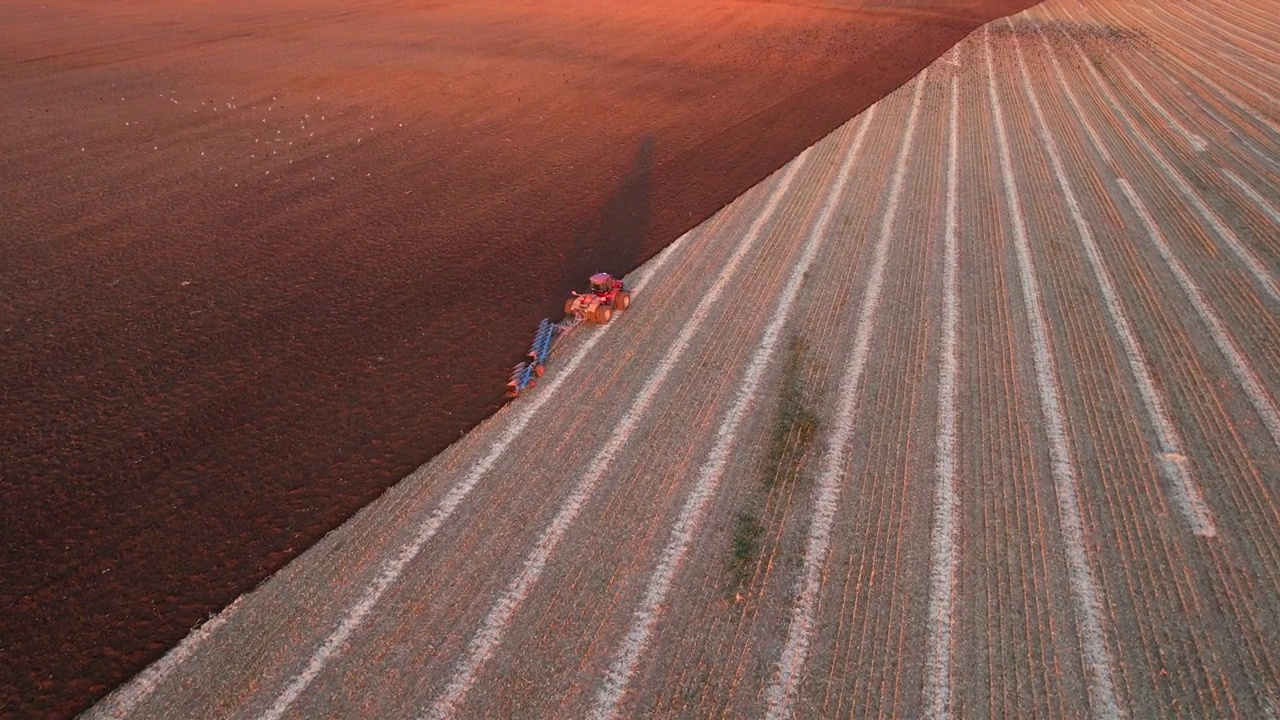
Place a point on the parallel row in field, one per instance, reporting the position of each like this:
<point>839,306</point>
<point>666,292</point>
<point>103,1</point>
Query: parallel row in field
<point>971,407</point>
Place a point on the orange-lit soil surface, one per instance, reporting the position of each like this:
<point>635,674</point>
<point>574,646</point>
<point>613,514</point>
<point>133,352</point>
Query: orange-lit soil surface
<point>969,410</point>
<point>260,260</point>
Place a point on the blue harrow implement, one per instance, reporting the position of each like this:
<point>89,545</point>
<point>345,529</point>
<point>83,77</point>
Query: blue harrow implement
<point>526,374</point>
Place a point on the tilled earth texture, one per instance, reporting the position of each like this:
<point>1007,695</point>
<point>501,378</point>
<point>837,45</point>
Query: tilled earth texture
<point>969,410</point>
<point>259,260</point>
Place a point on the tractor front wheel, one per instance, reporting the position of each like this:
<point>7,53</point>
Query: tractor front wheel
<point>622,301</point>
<point>604,314</point>
<point>568,306</point>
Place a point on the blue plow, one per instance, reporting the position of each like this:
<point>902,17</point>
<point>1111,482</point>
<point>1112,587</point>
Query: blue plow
<point>525,375</point>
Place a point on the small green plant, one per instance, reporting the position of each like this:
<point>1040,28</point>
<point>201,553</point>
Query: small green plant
<point>791,436</point>
<point>746,546</point>
<point>795,426</point>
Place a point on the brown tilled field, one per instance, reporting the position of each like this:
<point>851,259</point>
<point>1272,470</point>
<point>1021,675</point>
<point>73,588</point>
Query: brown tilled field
<point>969,410</point>
<point>260,260</point>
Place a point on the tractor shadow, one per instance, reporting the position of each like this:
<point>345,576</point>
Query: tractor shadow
<point>615,243</point>
<point>625,219</point>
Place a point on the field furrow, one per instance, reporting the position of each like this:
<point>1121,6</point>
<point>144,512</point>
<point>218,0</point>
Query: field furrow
<point>733,589</point>
<point>1142,500</point>
<point>875,566</point>
<point>1207,47</point>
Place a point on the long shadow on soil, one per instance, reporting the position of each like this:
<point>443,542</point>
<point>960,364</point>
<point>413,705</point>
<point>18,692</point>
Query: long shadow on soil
<point>623,227</point>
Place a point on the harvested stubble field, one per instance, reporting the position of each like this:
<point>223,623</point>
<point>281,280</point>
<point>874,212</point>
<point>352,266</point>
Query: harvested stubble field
<point>258,261</point>
<point>993,367</point>
<point>968,410</point>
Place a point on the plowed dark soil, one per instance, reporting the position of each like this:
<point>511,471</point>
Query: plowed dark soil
<point>260,260</point>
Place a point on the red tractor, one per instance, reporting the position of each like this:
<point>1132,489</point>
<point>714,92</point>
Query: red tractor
<point>607,294</point>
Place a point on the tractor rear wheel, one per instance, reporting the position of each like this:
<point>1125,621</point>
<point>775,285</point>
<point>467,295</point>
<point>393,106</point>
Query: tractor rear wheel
<point>623,300</point>
<point>604,314</point>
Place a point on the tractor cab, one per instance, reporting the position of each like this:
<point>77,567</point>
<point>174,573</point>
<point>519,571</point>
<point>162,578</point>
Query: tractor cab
<point>601,283</point>
<point>607,294</point>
